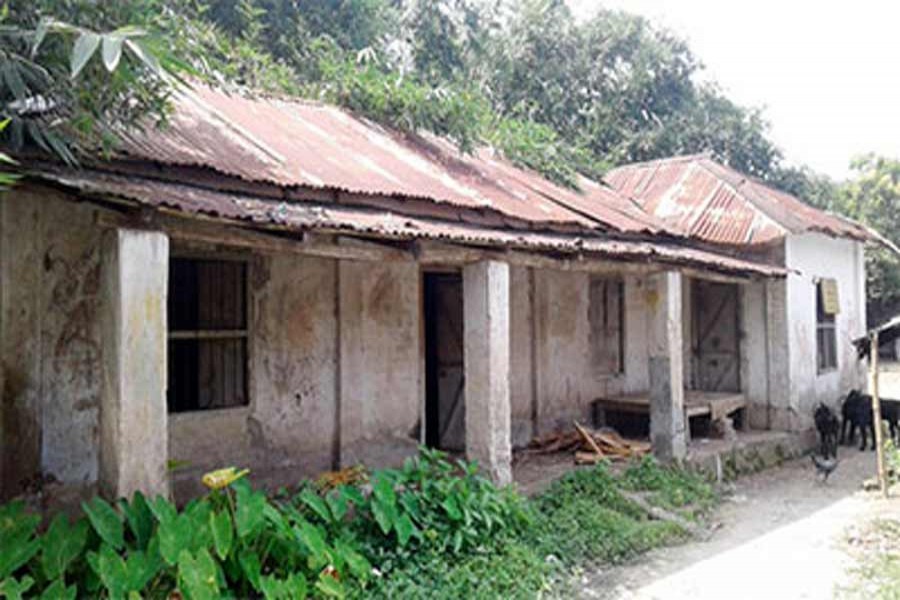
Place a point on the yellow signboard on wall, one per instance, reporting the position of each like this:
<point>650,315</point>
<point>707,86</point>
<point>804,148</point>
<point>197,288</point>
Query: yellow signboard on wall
<point>829,290</point>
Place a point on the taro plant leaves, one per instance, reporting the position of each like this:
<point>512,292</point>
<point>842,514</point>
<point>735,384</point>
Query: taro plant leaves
<point>222,532</point>
<point>198,575</point>
<point>106,522</point>
<point>15,589</point>
<point>61,545</point>
<point>249,513</point>
<point>291,588</point>
<point>17,542</point>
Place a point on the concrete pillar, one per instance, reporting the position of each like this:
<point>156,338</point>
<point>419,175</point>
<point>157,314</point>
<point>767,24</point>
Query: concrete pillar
<point>668,432</point>
<point>133,414</point>
<point>486,332</point>
<point>780,413</point>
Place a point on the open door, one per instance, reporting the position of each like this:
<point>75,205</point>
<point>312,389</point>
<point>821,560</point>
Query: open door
<point>716,336</point>
<point>445,410</point>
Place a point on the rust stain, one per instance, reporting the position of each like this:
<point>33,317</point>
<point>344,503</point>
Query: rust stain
<point>705,200</point>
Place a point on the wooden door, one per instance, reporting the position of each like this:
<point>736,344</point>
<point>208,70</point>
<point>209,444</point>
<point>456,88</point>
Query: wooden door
<point>445,410</point>
<point>715,337</point>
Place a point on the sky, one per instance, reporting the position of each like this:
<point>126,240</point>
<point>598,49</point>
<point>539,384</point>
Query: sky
<point>826,73</point>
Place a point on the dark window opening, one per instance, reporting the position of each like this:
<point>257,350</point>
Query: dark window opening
<point>826,335</point>
<point>606,316</point>
<point>207,334</point>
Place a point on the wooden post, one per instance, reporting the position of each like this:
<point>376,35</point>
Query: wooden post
<point>876,410</point>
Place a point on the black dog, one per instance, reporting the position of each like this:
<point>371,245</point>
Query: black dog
<point>827,425</point>
<point>857,413</point>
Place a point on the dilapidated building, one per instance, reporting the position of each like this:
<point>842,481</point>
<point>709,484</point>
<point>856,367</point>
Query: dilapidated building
<point>284,286</point>
<point>812,316</point>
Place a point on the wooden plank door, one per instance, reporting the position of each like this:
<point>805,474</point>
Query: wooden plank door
<point>715,336</point>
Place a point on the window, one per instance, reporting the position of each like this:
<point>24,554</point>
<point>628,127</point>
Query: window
<point>826,337</point>
<point>207,334</point>
<point>606,317</point>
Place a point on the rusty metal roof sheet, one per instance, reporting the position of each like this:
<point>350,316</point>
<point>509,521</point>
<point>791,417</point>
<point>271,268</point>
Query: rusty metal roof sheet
<point>705,200</point>
<point>265,213</point>
<point>294,143</point>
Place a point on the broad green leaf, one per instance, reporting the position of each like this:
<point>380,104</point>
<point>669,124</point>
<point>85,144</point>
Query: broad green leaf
<point>14,589</point>
<point>384,515</point>
<point>113,572</point>
<point>384,490</point>
<point>222,532</point>
<point>251,567</point>
<point>249,514</point>
<point>174,537</point>
<point>145,55</point>
<point>329,586</point>
<point>106,522</point>
<point>140,568</point>
<point>61,545</point>
<point>451,507</point>
<point>40,32</point>
<point>58,591</point>
<point>111,51</point>
<point>315,502</point>
<point>358,564</point>
<point>314,540</point>
<point>84,48</point>
<point>162,509</point>
<point>198,574</point>
<point>140,519</point>
<point>17,541</point>
<point>405,528</point>
<point>337,503</point>
<point>292,588</point>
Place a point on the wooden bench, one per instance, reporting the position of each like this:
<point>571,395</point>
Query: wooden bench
<point>715,405</point>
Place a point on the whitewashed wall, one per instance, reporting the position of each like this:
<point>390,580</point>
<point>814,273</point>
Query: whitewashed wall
<point>814,256</point>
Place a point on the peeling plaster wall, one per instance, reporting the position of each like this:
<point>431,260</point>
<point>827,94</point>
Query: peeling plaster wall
<point>637,315</point>
<point>50,337</point>
<point>753,351</point>
<point>566,382</point>
<point>381,375</point>
<point>815,256</point>
<point>521,373</point>
<point>289,428</point>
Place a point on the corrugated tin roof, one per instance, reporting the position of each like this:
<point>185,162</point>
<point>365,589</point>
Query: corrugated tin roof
<point>708,201</point>
<point>302,216</point>
<point>295,143</point>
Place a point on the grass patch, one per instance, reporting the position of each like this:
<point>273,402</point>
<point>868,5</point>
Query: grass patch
<point>877,576</point>
<point>582,519</point>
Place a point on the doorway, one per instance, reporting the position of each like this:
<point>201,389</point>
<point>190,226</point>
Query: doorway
<point>445,410</point>
<point>715,337</point>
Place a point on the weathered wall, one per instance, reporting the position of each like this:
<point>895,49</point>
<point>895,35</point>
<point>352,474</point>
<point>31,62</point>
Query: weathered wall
<point>381,370</point>
<point>566,381</point>
<point>814,256</point>
<point>522,347</point>
<point>288,429</point>
<point>50,335</point>
<point>754,351</point>
<point>637,314</point>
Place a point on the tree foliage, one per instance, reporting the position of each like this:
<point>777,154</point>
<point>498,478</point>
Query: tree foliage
<point>553,94</point>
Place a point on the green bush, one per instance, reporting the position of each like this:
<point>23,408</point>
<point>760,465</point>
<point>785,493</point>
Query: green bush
<point>237,539</point>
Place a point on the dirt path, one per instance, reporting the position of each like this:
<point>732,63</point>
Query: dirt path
<point>781,534</point>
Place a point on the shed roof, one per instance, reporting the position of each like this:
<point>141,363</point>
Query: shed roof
<point>293,143</point>
<point>266,213</point>
<point>708,201</point>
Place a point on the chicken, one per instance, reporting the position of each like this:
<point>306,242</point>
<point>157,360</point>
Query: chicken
<point>824,466</point>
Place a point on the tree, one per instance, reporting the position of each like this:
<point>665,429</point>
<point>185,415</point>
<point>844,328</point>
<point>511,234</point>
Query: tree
<point>872,196</point>
<point>66,89</point>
